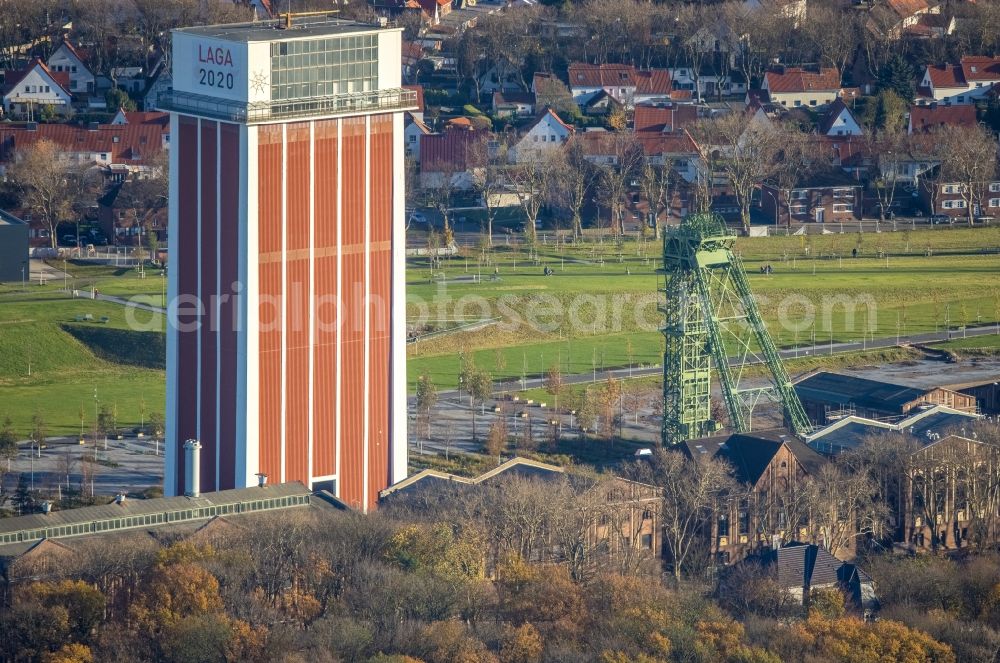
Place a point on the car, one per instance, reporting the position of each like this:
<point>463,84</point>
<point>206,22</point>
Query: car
<point>938,219</point>
<point>67,240</point>
<point>417,217</point>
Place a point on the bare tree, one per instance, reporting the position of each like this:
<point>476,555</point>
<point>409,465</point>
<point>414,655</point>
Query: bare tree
<point>48,184</point>
<point>843,506</point>
<point>616,178</point>
<point>892,148</point>
<point>690,490</point>
<point>531,178</point>
<point>572,179</point>
<point>553,93</point>
<point>748,148</point>
<point>656,184</point>
<point>490,180</point>
<point>968,158</point>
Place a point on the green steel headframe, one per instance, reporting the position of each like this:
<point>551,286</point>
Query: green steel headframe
<point>710,311</point>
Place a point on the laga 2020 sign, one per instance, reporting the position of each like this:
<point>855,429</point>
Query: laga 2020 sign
<point>211,67</point>
<point>216,68</point>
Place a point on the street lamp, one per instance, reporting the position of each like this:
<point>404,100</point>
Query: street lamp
<point>776,206</point>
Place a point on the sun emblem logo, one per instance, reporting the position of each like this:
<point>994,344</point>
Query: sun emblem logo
<point>258,82</point>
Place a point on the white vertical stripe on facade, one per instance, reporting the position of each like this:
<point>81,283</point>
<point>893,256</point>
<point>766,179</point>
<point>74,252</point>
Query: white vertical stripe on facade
<point>247,454</point>
<point>397,320</point>
<point>312,291</point>
<point>366,426</point>
<point>284,290</point>
<point>217,308</point>
<point>340,299</point>
<point>172,445</point>
<point>201,318</point>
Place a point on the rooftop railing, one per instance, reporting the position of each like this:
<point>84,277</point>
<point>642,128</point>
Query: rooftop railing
<point>392,99</point>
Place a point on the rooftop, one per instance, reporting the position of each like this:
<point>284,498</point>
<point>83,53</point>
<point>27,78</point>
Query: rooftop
<point>131,513</point>
<point>838,389</point>
<point>8,219</point>
<point>750,454</point>
<point>925,425</point>
<point>275,30</point>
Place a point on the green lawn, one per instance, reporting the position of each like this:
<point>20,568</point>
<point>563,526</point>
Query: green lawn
<point>43,369</point>
<point>609,292</point>
<point>989,342</point>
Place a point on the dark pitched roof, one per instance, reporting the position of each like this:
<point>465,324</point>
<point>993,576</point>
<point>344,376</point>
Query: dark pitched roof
<point>750,454</point>
<point>832,113</point>
<point>451,150</point>
<point>840,390</point>
<point>501,98</point>
<point>803,565</point>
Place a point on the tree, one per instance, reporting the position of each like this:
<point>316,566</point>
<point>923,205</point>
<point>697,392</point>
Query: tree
<point>886,111</point>
<point>843,507</point>
<point>616,178</point>
<point>39,429</point>
<point>531,180</point>
<point>480,385</point>
<point>892,148</point>
<point>427,398</point>
<point>834,33</point>
<point>897,76</point>
<point>748,152</point>
<point>551,92</point>
<point>609,400</point>
<point>656,185</point>
<point>968,158</point>
<point>23,499</point>
<point>572,178</point>
<point>8,441</point>
<point>46,181</point>
<point>490,179</point>
<point>496,441</point>
<point>690,489</point>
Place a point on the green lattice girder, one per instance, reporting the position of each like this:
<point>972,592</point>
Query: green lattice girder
<point>707,301</point>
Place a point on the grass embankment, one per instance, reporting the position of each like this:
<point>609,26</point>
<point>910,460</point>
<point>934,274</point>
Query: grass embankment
<point>598,309</point>
<point>46,370</point>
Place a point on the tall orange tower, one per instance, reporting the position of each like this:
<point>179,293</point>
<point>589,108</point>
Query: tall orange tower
<point>286,325</point>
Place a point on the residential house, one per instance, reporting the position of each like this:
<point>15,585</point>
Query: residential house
<point>623,83</point>
<point>827,396</point>
<point>924,119</point>
<point>513,104</point>
<point>896,18</point>
<point>412,54</point>
<point>14,235</point>
<point>838,120</point>
<point>793,87</point>
<point>413,129</point>
<point>119,150</point>
<point>149,118</point>
<point>770,468</point>
<point>418,90</point>
<point>126,219</point>
<point>455,154</point>
<point>159,83</point>
<point>704,83</point>
<point>545,134</point>
<point>619,517</point>
<point>963,83</point>
<point>662,117</point>
<point>27,91</point>
<point>68,59</point>
<point>829,197</point>
<point>953,199</point>
<point>802,568</point>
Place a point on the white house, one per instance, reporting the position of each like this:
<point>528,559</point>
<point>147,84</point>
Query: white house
<point>623,83</point>
<point>839,121</point>
<point>412,131</point>
<point>67,59</point>
<point>546,133</point>
<point>709,85</point>
<point>962,83</point>
<point>793,87</point>
<point>35,86</point>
